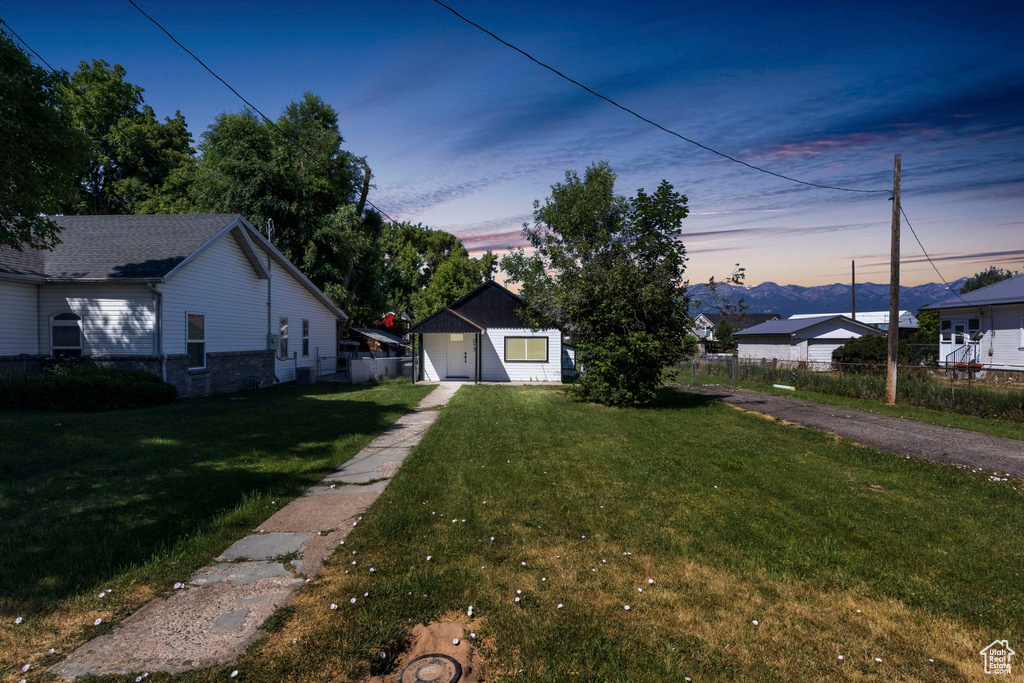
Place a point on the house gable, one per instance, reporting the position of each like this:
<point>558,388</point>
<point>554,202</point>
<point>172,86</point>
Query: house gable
<point>491,306</point>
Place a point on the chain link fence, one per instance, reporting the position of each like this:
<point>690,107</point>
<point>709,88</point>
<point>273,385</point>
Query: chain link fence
<point>982,390</point>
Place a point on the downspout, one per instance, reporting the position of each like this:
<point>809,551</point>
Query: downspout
<point>158,328</point>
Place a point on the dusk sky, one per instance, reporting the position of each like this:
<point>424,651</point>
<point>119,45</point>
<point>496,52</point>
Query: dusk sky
<point>464,134</point>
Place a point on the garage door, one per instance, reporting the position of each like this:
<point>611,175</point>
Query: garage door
<point>821,351</point>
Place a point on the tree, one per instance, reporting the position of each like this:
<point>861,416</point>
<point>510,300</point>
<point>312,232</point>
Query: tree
<point>42,151</point>
<point>987,277</point>
<point>136,163</point>
<point>870,350</point>
<point>297,174</point>
<point>609,270</point>
<point>724,335</point>
<point>426,269</point>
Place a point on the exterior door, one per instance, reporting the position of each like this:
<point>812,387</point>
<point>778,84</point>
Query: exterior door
<point>457,356</point>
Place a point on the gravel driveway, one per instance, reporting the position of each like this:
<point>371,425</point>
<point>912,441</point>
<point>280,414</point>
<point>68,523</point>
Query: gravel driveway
<point>892,434</point>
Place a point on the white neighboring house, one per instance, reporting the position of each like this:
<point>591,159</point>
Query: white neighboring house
<point>480,337</point>
<point>203,301</point>
<point>806,340</point>
<point>984,327</point>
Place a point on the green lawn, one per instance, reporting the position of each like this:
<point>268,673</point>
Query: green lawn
<point>1004,428</point>
<point>136,500</point>
<point>834,549</point>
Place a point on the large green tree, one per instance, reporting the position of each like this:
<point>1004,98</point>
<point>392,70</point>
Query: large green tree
<point>296,173</point>
<point>989,276</point>
<point>609,271</point>
<point>42,151</point>
<point>426,269</point>
<point>137,164</point>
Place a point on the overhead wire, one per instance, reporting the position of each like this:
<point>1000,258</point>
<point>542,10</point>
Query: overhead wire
<point>925,252</point>
<point>642,117</point>
<point>249,104</point>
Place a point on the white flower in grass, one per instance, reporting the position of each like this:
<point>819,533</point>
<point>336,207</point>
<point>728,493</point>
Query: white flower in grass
<point>383,655</point>
<point>544,578</point>
<point>454,520</point>
<point>639,590</point>
<point>840,658</point>
<point>352,601</point>
<point>604,561</point>
<point>234,673</point>
<point>333,485</point>
<point>354,523</point>
<point>559,606</point>
<point>878,660</point>
<point>519,592</point>
<point>517,599</point>
<point>334,606</point>
<point>469,612</point>
<point>372,569</point>
<point>523,563</point>
<point>97,622</point>
<point>19,620</point>
<point>650,580</point>
<point>455,641</point>
<point>472,635</point>
<point>428,557</point>
<point>754,622</point>
<point>626,608</point>
<point>51,650</point>
<point>492,538</point>
<point>26,668</point>
<point>366,595</point>
<point>341,543</point>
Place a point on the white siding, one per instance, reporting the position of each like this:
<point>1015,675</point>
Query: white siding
<point>19,331</point>
<point>221,284</point>
<point>821,351</point>
<point>1001,339</point>
<point>496,369</point>
<point>116,319</point>
<point>434,357</point>
<point>293,301</point>
<point>770,348</point>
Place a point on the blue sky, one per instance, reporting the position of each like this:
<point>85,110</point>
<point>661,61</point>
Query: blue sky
<point>463,134</point>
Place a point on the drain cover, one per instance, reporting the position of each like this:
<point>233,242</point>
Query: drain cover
<point>431,669</point>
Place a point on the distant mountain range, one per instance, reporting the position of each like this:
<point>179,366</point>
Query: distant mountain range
<point>787,300</point>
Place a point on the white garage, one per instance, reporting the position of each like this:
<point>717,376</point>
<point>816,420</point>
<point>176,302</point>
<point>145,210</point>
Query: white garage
<point>803,340</point>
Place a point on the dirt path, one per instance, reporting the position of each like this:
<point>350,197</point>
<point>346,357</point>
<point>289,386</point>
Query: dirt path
<point>892,434</point>
<point>212,619</point>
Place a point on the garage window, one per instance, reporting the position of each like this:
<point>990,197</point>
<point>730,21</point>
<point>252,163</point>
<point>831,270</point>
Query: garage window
<point>526,349</point>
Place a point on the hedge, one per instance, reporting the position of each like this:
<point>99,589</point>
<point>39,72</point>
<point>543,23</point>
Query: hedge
<point>78,389</point>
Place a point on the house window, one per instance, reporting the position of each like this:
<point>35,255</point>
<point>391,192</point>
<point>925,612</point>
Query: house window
<point>521,349</point>
<point>305,337</point>
<point>283,352</point>
<point>947,331</point>
<point>66,335</point>
<point>455,337</point>
<point>195,341</point>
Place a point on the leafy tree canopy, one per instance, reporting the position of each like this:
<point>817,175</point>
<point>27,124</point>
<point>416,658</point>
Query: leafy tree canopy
<point>137,164</point>
<point>987,277</point>
<point>42,151</point>
<point>609,271</point>
<point>724,332</point>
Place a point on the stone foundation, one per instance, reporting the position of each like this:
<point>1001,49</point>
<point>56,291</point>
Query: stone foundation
<point>224,372</point>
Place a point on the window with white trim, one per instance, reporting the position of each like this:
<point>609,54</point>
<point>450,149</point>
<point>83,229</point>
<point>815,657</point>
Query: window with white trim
<point>283,346</point>
<point>66,335</point>
<point>947,331</point>
<point>305,337</point>
<point>526,349</point>
<point>195,341</point>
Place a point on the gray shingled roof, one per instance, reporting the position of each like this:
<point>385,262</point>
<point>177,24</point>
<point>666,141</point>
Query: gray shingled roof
<point>1009,291</point>
<point>792,326</point>
<point>117,247</point>
<point>380,335</point>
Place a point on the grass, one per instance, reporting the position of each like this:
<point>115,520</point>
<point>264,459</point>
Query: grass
<point>1009,429</point>
<point>133,501</point>
<point>834,549</point>
<point>917,386</point>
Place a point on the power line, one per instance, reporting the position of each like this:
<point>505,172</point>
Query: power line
<point>239,96</point>
<point>644,118</point>
<point>914,233</point>
<point>38,56</point>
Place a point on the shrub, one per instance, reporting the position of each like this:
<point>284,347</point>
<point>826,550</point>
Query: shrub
<point>67,387</point>
<point>872,350</point>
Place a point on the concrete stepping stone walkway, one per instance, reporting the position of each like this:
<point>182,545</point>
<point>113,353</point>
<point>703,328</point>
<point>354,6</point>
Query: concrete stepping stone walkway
<point>219,613</point>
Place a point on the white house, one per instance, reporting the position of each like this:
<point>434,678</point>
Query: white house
<point>801,340</point>
<point>204,301</point>
<point>481,337</point>
<point>985,326</point>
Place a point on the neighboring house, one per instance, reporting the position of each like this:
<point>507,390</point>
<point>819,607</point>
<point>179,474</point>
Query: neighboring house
<point>879,319</point>
<point>705,323</point>
<point>378,343</point>
<point>985,326</point>
<point>481,337</point>
<point>203,301</point>
<point>802,340</point>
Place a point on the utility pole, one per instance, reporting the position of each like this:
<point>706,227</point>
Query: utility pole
<point>853,289</point>
<point>894,287</point>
